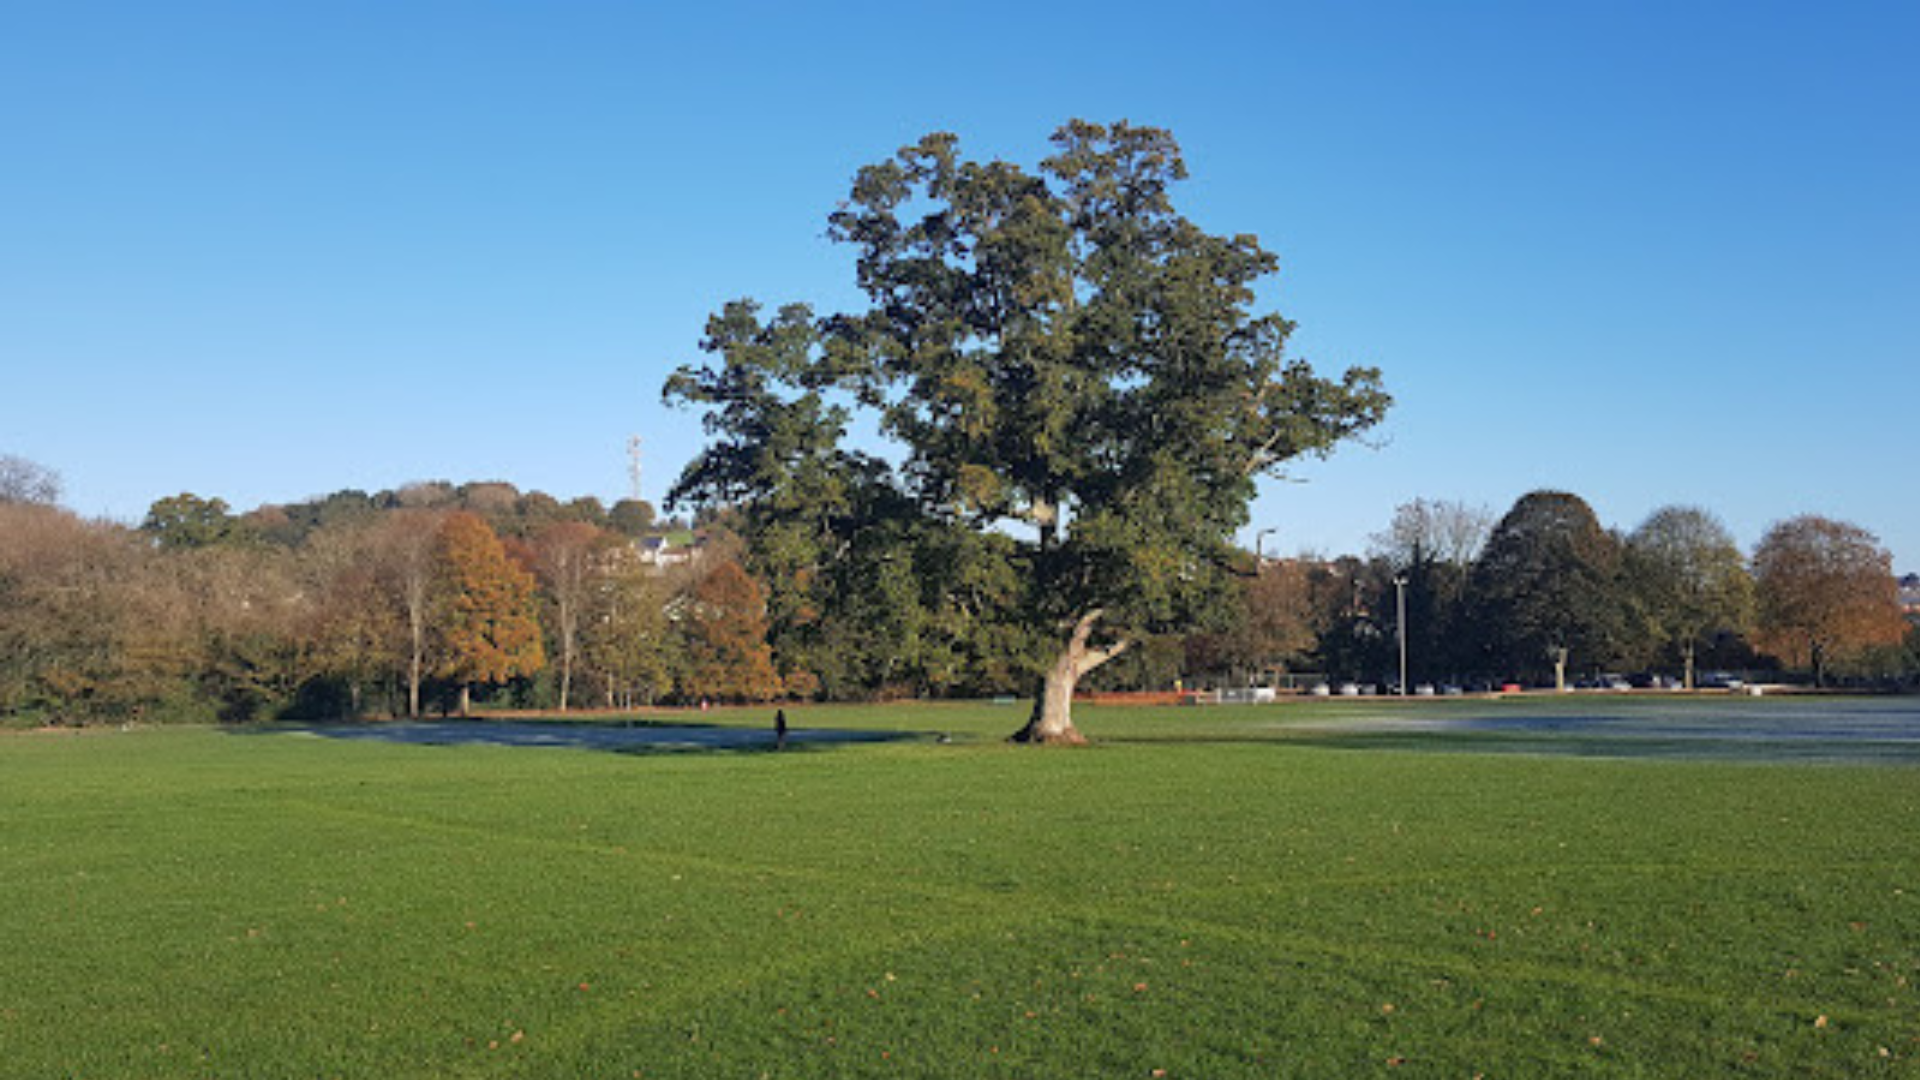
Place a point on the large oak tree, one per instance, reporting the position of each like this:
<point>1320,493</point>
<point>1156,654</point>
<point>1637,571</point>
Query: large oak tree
<point>1059,357</point>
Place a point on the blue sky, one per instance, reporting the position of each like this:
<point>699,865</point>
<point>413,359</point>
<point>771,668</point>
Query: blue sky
<point>1648,253</point>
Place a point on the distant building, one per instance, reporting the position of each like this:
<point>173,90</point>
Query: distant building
<point>1910,595</point>
<point>663,551</point>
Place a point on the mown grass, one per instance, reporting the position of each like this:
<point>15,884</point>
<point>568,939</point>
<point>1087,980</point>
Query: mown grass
<point>1200,896</point>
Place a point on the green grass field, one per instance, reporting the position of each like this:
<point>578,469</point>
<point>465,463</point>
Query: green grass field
<point>1202,895</point>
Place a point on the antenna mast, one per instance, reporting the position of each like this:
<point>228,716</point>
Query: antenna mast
<point>633,466</point>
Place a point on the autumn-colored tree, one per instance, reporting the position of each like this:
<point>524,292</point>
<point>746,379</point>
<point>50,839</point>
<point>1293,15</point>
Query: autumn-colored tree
<point>563,556</point>
<point>240,608</point>
<point>58,627</point>
<point>1276,622</point>
<point>1827,593</point>
<point>91,628</point>
<point>492,632</point>
<point>726,638</point>
<point>356,630</point>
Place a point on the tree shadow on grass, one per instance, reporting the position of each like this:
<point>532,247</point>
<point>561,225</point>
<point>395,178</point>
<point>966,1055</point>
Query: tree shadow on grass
<point>637,737</point>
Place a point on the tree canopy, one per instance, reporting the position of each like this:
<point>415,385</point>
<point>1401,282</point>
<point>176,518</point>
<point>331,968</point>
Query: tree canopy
<point>1688,579</point>
<point>23,481</point>
<point>1057,356</point>
<point>1827,592</point>
<point>1546,589</point>
<point>492,632</point>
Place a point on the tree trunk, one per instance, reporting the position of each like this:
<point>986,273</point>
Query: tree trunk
<point>413,686</point>
<point>1686,651</point>
<point>567,620</point>
<point>466,699</point>
<point>1052,719</point>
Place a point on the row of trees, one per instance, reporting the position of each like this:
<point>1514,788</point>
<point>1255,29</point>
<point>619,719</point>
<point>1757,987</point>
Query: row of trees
<point>410,609</point>
<point>189,520</point>
<point>1546,591</point>
<point>397,611</point>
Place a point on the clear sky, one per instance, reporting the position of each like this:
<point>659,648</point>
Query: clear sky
<point>1645,252</point>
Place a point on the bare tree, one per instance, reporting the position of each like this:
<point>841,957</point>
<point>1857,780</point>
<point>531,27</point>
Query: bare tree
<point>23,481</point>
<point>1438,530</point>
<point>408,543</point>
<point>563,559</point>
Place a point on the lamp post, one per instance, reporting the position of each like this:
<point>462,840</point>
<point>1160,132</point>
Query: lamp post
<point>1259,546</point>
<point>1400,624</point>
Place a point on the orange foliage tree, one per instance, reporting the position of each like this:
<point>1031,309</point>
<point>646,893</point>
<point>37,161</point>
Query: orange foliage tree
<point>1827,593</point>
<point>728,657</point>
<point>492,633</point>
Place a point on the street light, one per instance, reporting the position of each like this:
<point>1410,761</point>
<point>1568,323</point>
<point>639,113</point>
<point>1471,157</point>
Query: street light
<point>1400,624</point>
<point>1259,546</point>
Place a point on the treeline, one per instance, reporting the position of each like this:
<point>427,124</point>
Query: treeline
<point>1546,595</point>
<point>419,600</point>
<point>396,603</point>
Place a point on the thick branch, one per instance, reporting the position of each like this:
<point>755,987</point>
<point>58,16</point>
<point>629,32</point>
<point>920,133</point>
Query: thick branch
<point>1095,657</point>
<point>1085,659</point>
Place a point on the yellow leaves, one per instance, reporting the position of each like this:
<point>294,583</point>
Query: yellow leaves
<point>980,487</point>
<point>966,391</point>
<point>519,1036</point>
